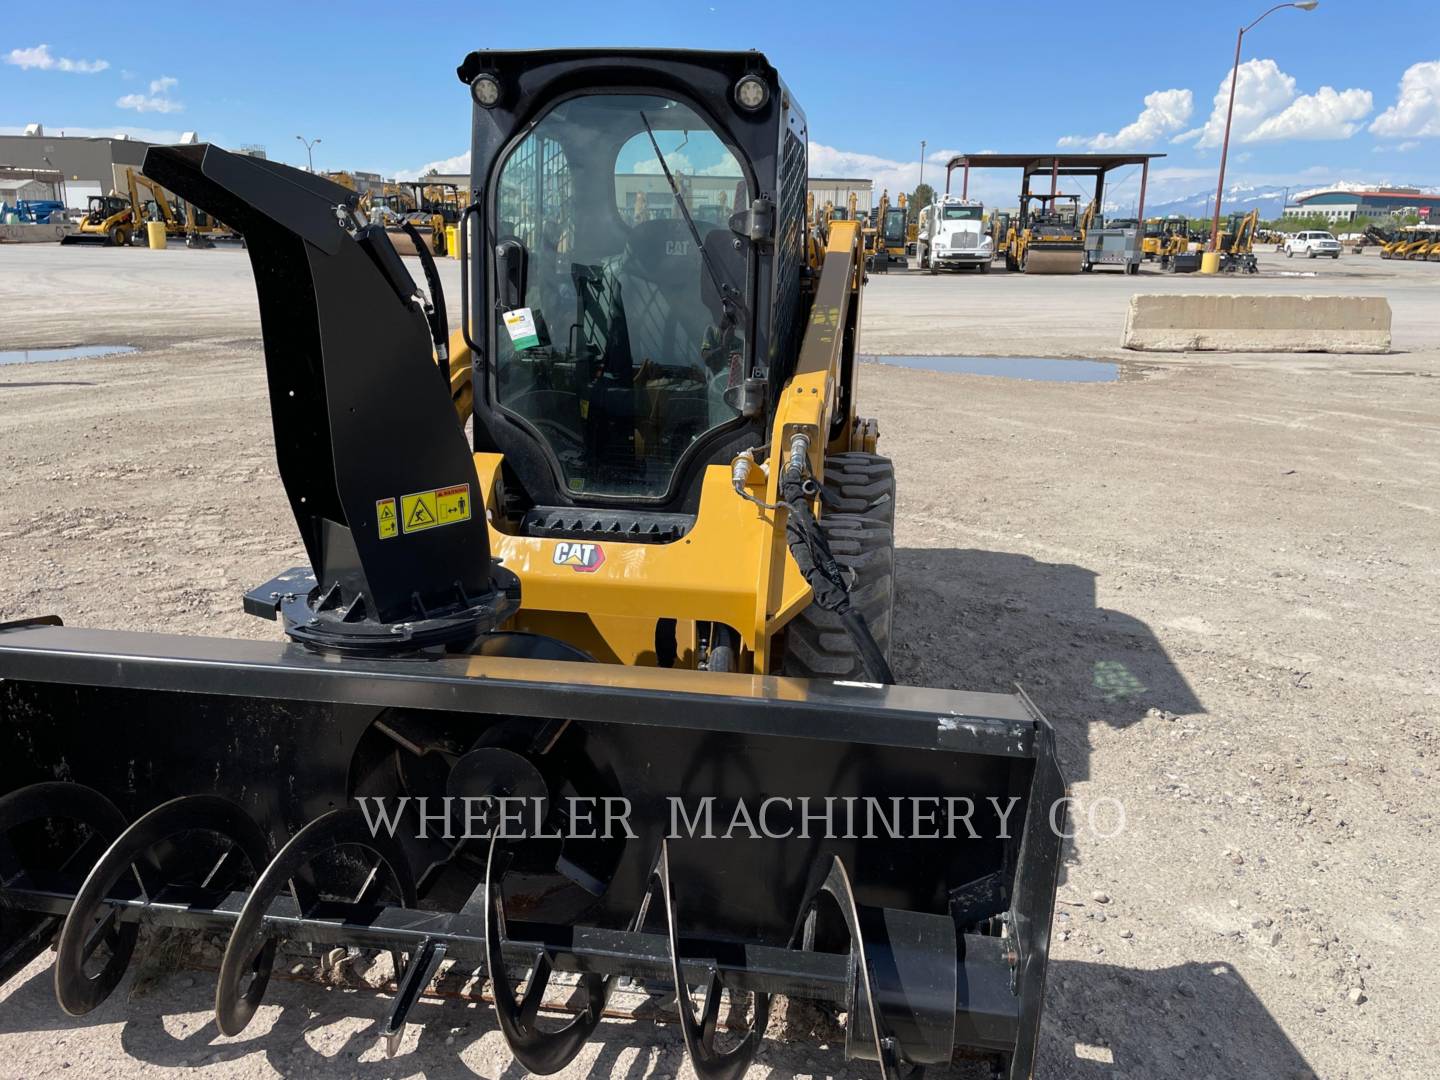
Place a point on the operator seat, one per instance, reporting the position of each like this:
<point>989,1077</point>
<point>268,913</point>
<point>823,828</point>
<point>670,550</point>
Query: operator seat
<point>659,280</point>
<point>643,318</point>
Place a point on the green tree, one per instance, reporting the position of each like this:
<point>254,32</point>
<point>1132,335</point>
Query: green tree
<point>922,197</point>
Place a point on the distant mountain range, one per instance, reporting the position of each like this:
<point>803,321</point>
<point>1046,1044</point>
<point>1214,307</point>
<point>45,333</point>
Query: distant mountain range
<point>1269,199</point>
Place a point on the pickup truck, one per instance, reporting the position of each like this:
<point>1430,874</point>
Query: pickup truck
<point>1312,245</point>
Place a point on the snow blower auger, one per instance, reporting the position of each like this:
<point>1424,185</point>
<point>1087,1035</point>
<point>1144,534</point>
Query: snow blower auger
<point>602,696</point>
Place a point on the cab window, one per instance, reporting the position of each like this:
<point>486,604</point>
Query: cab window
<point>629,345</point>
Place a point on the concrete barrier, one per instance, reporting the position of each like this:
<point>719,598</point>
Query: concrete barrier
<point>1207,322</point>
<point>33,234</point>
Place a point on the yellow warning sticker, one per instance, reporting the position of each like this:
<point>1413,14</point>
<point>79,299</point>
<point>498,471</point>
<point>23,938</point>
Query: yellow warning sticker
<point>418,511</point>
<point>453,503</point>
<point>430,509</point>
<point>386,518</point>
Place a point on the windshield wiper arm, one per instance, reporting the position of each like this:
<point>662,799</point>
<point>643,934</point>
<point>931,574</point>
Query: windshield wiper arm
<point>729,295</point>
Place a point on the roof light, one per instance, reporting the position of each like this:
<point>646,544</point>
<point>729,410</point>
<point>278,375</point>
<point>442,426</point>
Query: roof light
<point>485,89</point>
<point>751,92</point>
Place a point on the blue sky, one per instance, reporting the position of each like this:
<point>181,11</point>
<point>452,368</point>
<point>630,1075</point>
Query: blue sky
<point>1320,98</point>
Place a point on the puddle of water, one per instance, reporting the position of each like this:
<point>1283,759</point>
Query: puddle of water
<point>77,352</point>
<point>1034,368</point>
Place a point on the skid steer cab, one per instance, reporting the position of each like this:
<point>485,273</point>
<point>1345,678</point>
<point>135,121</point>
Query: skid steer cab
<point>667,475</point>
<point>662,354</point>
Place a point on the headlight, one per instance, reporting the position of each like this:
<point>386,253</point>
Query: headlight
<point>485,89</point>
<point>751,92</point>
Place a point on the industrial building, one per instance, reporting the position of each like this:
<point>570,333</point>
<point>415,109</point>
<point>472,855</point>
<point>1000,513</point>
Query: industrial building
<point>22,184</point>
<point>837,190</point>
<point>87,164</point>
<point>1352,205</point>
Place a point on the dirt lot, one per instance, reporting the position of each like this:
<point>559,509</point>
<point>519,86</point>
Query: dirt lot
<point>1216,575</point>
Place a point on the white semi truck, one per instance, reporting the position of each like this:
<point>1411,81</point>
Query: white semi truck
<point>951,233</point>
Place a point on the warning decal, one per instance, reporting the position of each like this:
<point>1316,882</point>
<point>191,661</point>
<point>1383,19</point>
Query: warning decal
<point>385,517</point>
<point>453,504</point>
<point>430,509</point>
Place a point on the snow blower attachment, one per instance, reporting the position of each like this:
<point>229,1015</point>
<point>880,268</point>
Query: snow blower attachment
<point>410,775</point>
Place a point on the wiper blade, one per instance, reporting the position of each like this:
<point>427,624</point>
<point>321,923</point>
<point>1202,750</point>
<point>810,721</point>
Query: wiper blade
<point>729,296</point>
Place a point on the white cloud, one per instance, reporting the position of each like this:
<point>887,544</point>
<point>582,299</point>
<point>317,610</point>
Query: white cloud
<point>142,103</point>
<point>1396,148</point>
<point>1165,112</point>
<point>887,175</point>
<point>157,100</point>
<point>1262,90</point>
<point>460,163</point>
<point>1326,114</point>
<point>678,163</point>
<point>1267,108</point>
<point>40,58</point>
<point>1416,112</point>
<point>992,186</point>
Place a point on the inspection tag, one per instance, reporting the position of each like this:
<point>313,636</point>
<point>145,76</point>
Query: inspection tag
<point>520,325</point>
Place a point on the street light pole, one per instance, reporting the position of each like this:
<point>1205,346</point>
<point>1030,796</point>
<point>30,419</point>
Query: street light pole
<point>1299,5</point>
<point>922,161</point>
<point>310,145</point>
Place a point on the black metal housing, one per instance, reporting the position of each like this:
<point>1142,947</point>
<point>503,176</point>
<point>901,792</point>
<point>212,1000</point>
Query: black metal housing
<point>216,715</point>
<point>771,145</point>
<point>359,412</point>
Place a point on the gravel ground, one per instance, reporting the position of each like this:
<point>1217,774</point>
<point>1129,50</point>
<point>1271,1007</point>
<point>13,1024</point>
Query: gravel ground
<point>1213,574</point>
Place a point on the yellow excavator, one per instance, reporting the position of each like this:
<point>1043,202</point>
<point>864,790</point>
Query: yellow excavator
<point>342,177</point>
<point>156,208</point>
<point>886,239</point>
<point>1237,243</point>
<point>118,220</point>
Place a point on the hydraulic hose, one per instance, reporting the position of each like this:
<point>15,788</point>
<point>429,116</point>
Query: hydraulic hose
<point>435,310</point>
<point>817,563</point>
